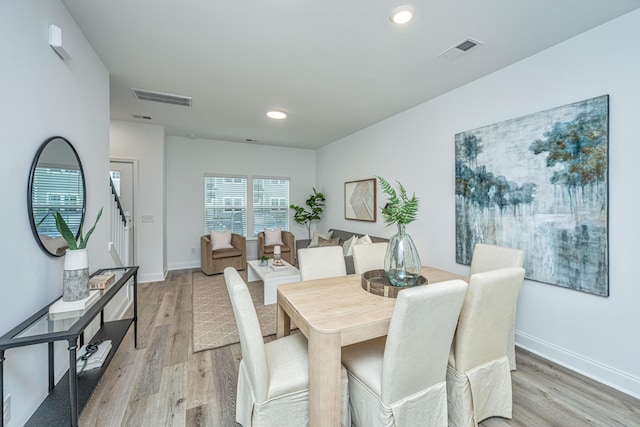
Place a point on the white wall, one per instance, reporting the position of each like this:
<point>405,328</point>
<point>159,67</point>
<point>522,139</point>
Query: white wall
<point>187,162</point>
<point>594,335</point>
<point>146,144</point>
<point>44,96</point>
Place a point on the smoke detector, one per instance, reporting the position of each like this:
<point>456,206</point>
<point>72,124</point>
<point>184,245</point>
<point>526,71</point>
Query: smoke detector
<point>460,48</point>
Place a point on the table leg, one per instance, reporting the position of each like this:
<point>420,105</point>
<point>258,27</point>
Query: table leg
<point>283,323</point>
<point>324,379</point>
<point>1,387</point>
<point>73,381</point>
<point>52,383</point>
<point>135,310</point>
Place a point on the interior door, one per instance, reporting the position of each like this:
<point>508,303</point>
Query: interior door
<point>122,175</point>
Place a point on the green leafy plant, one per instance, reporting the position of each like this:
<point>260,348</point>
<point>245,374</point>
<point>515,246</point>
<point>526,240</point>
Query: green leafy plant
<point>315,202</point>
<point>400,208</point>
<point>67,234</point>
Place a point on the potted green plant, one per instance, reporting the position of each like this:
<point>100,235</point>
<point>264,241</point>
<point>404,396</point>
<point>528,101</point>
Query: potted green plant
<point>75,282</point>
<point>264,261</point>
<point>302,216</point>
<point>402,262</point>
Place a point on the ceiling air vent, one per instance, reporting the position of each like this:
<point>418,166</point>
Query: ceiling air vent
<point>165,98</point>
<point>459,48</point>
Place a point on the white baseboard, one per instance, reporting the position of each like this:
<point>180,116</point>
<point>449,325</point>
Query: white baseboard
<point>595,370</point>
<point>184,265</point>
<point>151,277</point>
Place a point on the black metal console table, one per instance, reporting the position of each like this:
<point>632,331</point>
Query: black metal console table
<point>72,392</point>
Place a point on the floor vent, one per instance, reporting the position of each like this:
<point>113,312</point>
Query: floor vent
<point>165,98</point>
<point>459,48</point>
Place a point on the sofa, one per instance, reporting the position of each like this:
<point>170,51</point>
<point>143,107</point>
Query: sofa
<point>344,236</point>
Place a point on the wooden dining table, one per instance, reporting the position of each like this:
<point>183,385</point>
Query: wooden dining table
<point>333,313</point>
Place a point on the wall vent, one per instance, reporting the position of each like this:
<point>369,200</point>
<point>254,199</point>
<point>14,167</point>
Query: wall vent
<point>165,98</point>
<point>459,48</point>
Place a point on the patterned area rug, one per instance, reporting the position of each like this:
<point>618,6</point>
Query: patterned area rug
<point>213,322</point>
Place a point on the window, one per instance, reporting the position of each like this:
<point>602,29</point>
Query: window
<point>225,204</point>
<point>52,193</point>
<point>270,204</point>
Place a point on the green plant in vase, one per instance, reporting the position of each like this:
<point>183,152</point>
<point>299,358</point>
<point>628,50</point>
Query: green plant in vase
<point>402,262</point>
<point>67,234</point>
<point>75,280</point>
<point>302,216</point>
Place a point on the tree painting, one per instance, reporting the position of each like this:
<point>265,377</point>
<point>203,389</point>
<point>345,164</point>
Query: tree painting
<point>540,183</point>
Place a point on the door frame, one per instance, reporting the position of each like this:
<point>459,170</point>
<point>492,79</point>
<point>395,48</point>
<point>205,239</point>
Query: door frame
<point>136,188</point>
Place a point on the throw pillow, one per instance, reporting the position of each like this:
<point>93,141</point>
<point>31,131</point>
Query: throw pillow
<point>328,242</point>
<point>316,235</point>
<point>220,240</point>
<point>365,240</point>
<point>273,237</point>
<point>347,248</point>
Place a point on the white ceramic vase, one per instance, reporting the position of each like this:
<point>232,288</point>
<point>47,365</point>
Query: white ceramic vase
<point>75,282</point>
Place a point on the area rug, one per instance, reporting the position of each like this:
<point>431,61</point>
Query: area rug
<point>213,322</point>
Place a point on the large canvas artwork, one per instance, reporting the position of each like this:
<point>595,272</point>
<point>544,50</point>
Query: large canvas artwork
<point>540,183</point>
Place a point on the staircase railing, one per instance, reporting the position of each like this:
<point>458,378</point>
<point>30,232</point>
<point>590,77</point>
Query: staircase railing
<point>120,231</point>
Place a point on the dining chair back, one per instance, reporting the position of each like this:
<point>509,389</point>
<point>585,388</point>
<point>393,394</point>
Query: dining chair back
<point>401,380</point>
<point>368,257</point>
<point>478,375</point>
<point>273,378</point>
<point>491,257</point>
<point>321,262</point>
<point>251,341</point>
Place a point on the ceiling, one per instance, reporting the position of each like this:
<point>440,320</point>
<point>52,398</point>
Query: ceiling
<point>333,66</point>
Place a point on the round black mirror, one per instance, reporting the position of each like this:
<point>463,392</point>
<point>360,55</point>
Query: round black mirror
<point>56,184</point>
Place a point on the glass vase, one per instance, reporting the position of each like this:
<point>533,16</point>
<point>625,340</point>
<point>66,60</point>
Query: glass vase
<point>402,262</point>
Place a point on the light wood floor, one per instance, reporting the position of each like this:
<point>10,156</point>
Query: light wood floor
<point>163,383</point>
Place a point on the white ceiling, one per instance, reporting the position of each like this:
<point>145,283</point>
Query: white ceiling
<point>335,66</point>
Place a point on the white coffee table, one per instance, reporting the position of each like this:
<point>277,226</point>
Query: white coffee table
<point>271,278</point>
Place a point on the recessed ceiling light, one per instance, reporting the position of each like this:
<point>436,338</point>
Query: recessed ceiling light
<point>278,115</point>
<point>402,14</point>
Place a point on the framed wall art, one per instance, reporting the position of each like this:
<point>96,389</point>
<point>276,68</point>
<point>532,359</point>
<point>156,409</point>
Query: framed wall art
<point>360,200</point>
<point>540,183</point>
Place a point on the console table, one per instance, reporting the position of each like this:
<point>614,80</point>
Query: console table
<point>66,400</point>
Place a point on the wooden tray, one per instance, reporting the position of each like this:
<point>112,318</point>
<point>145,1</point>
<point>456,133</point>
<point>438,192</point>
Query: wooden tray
<point>376,282</point>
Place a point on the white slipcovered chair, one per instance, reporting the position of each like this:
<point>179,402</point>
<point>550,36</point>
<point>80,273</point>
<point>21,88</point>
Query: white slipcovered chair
<point>491,257</point>
<point>321,262</point>
<point>478,375</point>
<point>400,380</point>
<point>369,257</point>
<point>273,378</point>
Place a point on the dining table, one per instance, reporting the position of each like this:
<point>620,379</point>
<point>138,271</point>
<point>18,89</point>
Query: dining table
<point>332,313</point>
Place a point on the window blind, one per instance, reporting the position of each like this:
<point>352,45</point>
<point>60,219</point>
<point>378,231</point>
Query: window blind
<point>57,190</point>
<point>225,204</point>
<point>270,204</point>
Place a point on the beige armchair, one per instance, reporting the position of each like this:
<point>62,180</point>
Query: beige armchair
<point>287,249</point>
<point>214,262</point>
